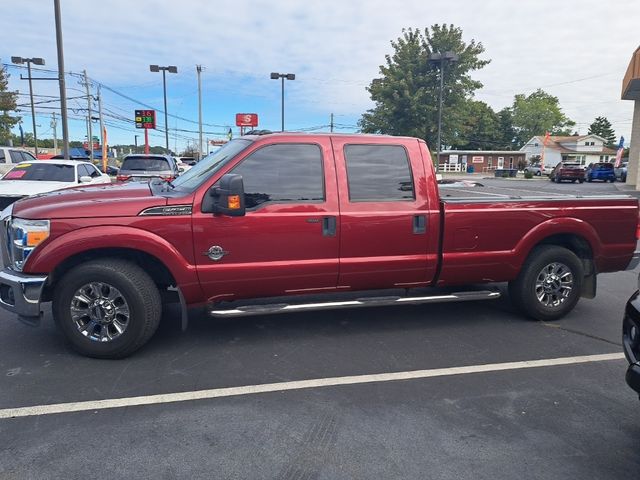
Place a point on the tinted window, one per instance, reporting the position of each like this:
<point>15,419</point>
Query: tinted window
<point>150,164</point>
<point>16,157</point>
<point>49,172</point>
<point>2,159</point>
<point>282,173</point>
<point>83,171</point>
<point>93,171</point>
<point>378,173</point>
<point>604,166</point>
<point>27,157</point>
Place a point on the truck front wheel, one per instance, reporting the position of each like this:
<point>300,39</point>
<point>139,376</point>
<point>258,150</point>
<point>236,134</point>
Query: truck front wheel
<point>549,284</point>
<point>107,308</point>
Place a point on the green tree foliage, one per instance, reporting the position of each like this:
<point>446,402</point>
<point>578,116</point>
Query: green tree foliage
<point>536,114</point>
<point>481,128</point>
<point>602,127</point>
<point>406,94</point>
<point>7,104</point>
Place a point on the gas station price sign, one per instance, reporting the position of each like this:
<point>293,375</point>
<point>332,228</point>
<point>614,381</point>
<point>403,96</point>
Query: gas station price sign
<point>146,119</point>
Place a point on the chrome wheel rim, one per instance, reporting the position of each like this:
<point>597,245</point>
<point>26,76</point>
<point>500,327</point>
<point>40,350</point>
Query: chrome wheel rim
<point>554,284</point>
<point>100,312</point>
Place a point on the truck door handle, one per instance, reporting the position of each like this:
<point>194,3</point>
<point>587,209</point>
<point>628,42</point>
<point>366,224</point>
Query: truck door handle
<point>419,224</point>
<point>329,226</point>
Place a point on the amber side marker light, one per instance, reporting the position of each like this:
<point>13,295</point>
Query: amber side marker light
<point>36,238</point>
<point>233,202</point>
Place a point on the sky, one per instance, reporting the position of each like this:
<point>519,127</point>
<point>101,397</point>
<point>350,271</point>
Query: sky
<point>575,50</point>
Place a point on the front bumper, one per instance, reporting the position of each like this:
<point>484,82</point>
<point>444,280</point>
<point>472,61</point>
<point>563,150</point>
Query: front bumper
<point>20,293</point>
<point>631,340</point>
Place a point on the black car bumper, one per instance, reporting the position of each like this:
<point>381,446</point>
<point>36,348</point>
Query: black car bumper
<point>631,340</point>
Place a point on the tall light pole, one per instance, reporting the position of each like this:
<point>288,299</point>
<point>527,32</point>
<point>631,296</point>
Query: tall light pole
<point>29,61</point>
<point>199,71</point>
<point>61,81</point>
<point>288,76</point>
<point>441,59</point>
<point>170,69</point>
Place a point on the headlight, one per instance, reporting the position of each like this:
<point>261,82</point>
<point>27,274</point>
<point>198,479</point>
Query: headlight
<point>23,237</point>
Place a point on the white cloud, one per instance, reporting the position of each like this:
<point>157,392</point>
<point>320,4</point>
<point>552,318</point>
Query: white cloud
<point>335,47</point>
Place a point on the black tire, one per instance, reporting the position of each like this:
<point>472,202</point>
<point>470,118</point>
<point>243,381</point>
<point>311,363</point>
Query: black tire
<point>538,173</point>
<point>552,179</point>
<point>581,180</point>
<point>137,295</point>
<point>573,180</point>
<point>524,290</point>
<point>589,179</point>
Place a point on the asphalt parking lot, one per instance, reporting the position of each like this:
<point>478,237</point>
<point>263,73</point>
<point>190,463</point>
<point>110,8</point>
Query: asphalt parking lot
<point>574,418</point>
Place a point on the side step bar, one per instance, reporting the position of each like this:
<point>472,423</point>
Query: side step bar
<point>360,302</point>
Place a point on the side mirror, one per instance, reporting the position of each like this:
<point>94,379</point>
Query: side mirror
<point>85,179</point>
<point>228,197</point>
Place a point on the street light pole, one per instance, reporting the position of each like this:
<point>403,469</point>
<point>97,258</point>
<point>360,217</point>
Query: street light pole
<point>283,76</point>
<point>199,71</point>
<point>441,59</point>
<point>170,69</point>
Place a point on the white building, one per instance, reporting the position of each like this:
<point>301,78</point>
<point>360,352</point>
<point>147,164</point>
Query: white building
<point>584,149</point>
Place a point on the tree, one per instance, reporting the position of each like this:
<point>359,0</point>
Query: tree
<point>406,95</point>
<point>7,104</point>
<point>602,127</point>
<point>536,114</point>
<point>482,128</point>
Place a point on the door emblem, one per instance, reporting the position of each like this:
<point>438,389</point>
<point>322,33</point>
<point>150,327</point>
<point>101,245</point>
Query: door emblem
<point>215,253</point>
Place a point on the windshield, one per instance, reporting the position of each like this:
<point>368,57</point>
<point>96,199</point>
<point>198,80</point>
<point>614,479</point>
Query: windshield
<point>46,172</point>
<point>196,175</point>
<point>149,164</point>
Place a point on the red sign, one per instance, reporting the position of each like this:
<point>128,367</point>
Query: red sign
<point>246,119</point>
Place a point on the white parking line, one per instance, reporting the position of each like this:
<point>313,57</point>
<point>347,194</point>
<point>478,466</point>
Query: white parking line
<point>295,385</point>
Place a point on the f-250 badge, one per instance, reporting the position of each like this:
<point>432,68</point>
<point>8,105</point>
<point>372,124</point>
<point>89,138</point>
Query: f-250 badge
<point>216,253</point>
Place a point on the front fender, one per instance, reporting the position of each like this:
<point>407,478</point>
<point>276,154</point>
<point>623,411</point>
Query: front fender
<point>53,253</point>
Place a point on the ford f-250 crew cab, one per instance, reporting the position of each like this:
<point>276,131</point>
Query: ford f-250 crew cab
<point>296,215</point>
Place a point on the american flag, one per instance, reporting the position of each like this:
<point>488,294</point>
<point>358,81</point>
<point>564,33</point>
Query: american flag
<point>619,153</point>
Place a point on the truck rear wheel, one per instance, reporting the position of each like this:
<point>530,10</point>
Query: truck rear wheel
<point>549,284</point>
<point>107,308</point>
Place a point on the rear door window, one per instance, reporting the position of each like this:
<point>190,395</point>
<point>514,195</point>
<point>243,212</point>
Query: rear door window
<point>2,159</point>
<point>378,173</point>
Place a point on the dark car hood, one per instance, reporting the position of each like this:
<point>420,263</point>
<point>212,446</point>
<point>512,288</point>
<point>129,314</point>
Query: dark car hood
<point>116,200</point>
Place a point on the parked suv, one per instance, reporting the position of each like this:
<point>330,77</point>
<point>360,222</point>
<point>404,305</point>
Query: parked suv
<point>621,172</point>
<point>10,156</point>
<point>139,167</point>
<point>600,171</point>
<point>567,171</point>
<point>537,169</point>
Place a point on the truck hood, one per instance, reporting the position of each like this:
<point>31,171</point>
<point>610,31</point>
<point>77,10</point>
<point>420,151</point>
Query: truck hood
<point>99,201</point>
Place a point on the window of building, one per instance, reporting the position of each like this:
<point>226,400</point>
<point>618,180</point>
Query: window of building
<point>285,173</point>
<point>378,173</point>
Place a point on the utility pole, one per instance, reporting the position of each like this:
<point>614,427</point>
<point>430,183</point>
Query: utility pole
<point>61,82</point>
<point>331,123</point>
<point>54,124</point>
<point>89,132</point>
<point>103,140</point>
<point>199,70</point>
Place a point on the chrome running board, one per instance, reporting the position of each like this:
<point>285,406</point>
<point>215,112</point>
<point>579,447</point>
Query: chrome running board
<point>269,309</point>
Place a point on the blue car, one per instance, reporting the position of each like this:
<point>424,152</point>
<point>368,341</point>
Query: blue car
<point>600,171</point>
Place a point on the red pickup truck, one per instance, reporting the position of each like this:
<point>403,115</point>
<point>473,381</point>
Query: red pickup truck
<point>286,217</point>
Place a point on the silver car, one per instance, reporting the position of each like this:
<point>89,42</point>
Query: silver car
<point>140,167</point>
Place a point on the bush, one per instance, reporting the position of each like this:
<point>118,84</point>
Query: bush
<point>505,174</point>
<point>528,174</point>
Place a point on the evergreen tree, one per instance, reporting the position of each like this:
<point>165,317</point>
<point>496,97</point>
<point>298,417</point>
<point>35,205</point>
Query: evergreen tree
<point>602,127</point>
<point>7,104</point>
